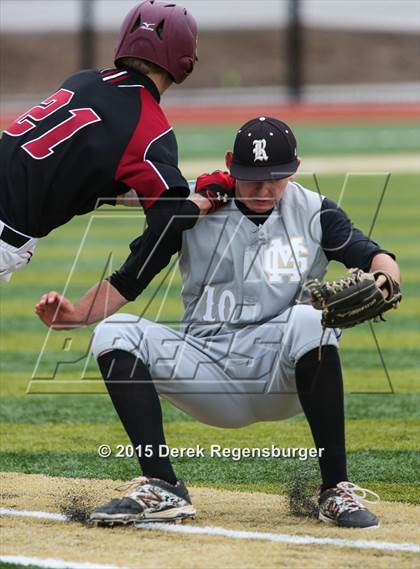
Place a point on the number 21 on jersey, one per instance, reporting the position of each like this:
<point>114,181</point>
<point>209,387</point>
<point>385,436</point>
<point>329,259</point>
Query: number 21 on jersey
<point>42,146</point>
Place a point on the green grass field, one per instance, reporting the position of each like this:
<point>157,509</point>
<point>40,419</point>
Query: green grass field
<point>13,566</point>
<point>57,427</point>
<point>318,139</point>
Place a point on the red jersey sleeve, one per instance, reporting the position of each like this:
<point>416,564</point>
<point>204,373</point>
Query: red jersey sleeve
<point>149,164</point>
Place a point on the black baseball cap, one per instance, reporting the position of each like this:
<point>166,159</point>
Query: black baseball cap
<point>265,149</point>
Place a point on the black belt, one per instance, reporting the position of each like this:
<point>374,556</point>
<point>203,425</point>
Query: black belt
<point>12,237</point>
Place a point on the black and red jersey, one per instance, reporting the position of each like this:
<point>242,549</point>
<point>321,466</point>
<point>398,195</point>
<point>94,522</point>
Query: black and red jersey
<point>101,134</point>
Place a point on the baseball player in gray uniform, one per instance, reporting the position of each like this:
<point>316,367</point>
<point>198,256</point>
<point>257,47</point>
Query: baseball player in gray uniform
<point>248,346</point>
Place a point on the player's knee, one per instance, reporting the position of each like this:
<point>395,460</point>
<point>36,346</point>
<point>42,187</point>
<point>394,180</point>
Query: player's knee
<point>114,333</point>
<point>306,319</point>
<point>306,331</point>
<point>304,325</point>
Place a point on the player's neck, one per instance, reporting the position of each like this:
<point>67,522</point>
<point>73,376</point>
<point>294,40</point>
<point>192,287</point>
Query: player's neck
<point>161,81</point>
<point>259,218</point>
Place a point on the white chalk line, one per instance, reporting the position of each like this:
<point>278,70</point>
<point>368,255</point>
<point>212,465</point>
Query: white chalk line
<point>31,514</point>
<point>238,534</point>
<point>285,538</point>
<point>53,563</point>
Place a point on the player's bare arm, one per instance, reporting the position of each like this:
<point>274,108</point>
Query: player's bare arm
<point>150,253</point>
<point>57,312</point>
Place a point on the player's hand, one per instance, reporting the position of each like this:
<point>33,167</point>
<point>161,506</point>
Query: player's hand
<point>218,188</point>
<point>56,311</point>
<point>380,281</point>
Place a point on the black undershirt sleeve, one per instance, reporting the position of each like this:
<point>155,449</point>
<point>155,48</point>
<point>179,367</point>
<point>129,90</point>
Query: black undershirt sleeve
<point>173,213</point>
<point>152,251</point>
<point>343,242</point>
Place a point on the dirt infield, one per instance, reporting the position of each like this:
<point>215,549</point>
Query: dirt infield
<point>132,547</point>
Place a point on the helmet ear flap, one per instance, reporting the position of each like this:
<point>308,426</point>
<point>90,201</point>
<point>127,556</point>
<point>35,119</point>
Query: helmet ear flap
<point>187,64</point>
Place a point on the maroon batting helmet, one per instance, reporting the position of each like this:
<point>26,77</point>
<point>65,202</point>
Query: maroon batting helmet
<point>164,34</point>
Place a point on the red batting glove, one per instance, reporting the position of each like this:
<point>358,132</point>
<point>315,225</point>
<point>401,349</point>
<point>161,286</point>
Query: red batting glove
<point>218,188</point>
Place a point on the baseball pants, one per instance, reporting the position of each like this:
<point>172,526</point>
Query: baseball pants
<point>228,380</point>
<point>14,257</point>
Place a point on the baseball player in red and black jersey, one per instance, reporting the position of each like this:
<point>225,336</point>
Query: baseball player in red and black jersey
<point>100,138</point>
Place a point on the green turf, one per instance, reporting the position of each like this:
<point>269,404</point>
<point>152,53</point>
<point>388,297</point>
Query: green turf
<point>88,436</point>
<point>315,139</point>
<point>59,434</point>
<point>35,409</point>
<point>4,565</point>
<point>357,381</point>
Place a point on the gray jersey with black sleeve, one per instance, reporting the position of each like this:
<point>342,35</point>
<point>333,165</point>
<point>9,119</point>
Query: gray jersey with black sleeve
<point>330,233</point>
<point>236,273</point>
